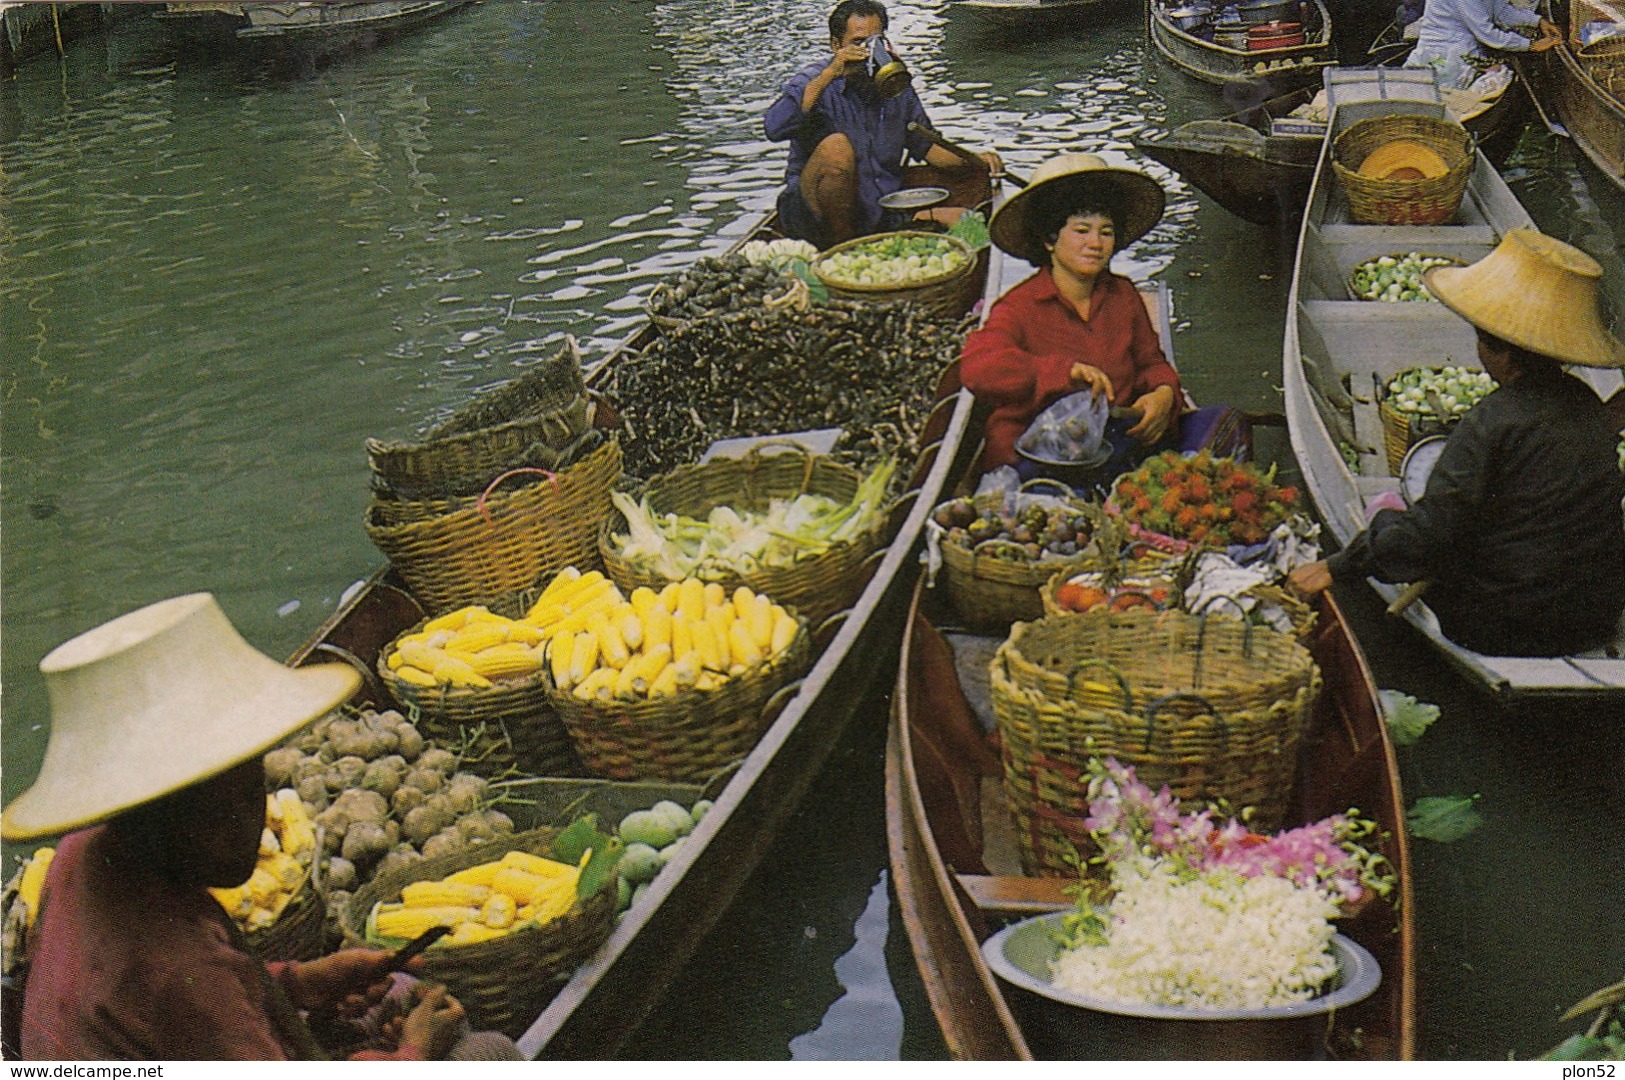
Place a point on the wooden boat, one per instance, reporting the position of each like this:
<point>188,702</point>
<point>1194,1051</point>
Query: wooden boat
<point>1258,163</point>
<point>301,25</point>
<point>1198,55</point>
<point>1335,352</point>
<point>606,998</point>
<point>1016,15</point>
<point>1583,87</point>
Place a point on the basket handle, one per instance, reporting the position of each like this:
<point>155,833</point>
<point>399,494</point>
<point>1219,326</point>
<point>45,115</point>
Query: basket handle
<point>1156,706</point>
<point>513,472</point>
<point>781,698</point>
<point>1109,668</point>
<point>1201,636</point>
<point>1066,492</point>
<point>1207,605</point>
<point>369,677</point>
<point>826,630</point>
<point>809,458</point>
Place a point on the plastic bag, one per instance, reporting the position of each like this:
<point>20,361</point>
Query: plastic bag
<point>1072,430</point>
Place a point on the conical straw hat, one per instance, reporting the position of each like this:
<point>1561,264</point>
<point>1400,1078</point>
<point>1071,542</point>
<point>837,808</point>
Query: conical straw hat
<point>1142,199</point>
<point>154,702</point>
<point>1402,155</point>
<point>1534,291</point>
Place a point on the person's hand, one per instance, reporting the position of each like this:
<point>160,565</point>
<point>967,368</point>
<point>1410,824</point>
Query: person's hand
<point>1541,44</point>
<point>1087,375</point>
<point>432,1027</point>
<point>1310,579</point>
<point>847,59</point>
<point>331,980</point>
<point>994,163</point>
<point>1156,410</point>
<point>1549,28</point>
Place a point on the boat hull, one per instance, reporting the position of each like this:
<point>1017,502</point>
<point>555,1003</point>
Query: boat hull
<point>1286,67</point>
<point>1593,117</point>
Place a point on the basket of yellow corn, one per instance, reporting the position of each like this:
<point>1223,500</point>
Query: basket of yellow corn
<point>475,678</point>
<point>672,685</point>
<point>280,907</point>
<point>521,918</point>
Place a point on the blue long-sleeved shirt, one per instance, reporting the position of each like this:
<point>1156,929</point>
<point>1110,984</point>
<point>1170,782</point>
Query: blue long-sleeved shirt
<point>1452,29</point>
<point>877,128</point>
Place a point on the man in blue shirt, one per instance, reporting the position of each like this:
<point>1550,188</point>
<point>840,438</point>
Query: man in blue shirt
<point>847,139</point>
<point>1452,31</point>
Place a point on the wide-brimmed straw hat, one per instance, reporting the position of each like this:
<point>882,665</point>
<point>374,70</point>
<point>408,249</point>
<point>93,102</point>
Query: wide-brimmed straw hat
<point>155,701</point>
<point>1404,159</point>
<point>1536,292</point>
<point>1142,199</point>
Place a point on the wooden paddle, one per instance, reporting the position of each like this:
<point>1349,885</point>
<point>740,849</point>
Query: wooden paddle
<point>954,148</point>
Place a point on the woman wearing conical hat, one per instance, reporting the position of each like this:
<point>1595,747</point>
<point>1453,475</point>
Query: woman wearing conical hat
<point>159,720</point>
<point>1074,325</point>
<point>1520,531</point>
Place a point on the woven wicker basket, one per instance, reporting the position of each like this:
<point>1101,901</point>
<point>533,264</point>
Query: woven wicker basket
<point>795,297</point>
<point>507,544</point>
<point>686,738</point>
<point>991,592</point>
<point>815,587</point>
<point>547,404</point>
<point>1160,569</point>
<point>951,293</point>
<point>502,983</point>
<point>1431,201</point>
<point>299,933</point>
<point>1355,295</point>
<point>1211,707</point>
<point>1401,431</point>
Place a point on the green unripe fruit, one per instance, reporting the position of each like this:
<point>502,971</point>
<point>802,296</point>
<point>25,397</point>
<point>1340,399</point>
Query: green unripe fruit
<point>647,827</point>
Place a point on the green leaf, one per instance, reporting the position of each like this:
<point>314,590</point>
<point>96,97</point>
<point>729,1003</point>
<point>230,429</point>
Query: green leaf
<point>1407,718</point>
<point>600,869</point>
<point>1443,818</point>
<point>1575,1048</point>
<point>581,834</point>
<point>972,228</point>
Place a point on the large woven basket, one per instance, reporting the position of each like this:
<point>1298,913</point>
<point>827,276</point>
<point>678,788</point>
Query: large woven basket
<point>995,583</point>
<point>1401,431</point>
<point>503,983</point>
<point>1159,569</point>
<point>685,738</point>
<point>951,293</point>
<point>507,542</point>
<point>1211,707</point>
<point>546,405</point>
<point>815,587</point>
<point>299,933</point>
<point>1427,201</point>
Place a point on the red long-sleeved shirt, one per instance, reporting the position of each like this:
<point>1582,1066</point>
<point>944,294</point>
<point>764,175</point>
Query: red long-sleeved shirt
<point>1020,360</point>
<point>124,965</point>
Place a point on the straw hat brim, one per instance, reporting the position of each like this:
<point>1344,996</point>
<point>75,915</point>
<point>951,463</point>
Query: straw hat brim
<point>1142,197</point>
<point>110,752</point>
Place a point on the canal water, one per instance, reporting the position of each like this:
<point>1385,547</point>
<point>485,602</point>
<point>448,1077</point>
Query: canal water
<point>218,275</point>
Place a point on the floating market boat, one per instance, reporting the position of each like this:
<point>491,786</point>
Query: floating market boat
<point>1581,83</point>
<point>301,25</point>
<point>608,996</point>
<point>1281,43</point>
<point>1339,351</point>
<point>1258,163</point>
<point>1025,14</point>
<point>958,879</point>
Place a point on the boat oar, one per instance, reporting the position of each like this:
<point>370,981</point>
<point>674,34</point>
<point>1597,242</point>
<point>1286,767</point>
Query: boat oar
<point>1409,595</point>
<point>954,148</point>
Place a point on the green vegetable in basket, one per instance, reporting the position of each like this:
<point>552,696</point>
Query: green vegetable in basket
<point>972,228</point>
<point>1424,391</point>
<point>640,863</point>
<point>579,836</point>
<point>894,260</point>
<point>1396,278</point>
<point>647,827</point>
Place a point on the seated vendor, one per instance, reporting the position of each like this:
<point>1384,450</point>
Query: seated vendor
<point>1519,531</point>
<point>1074,325</point>
<point>159,721</point>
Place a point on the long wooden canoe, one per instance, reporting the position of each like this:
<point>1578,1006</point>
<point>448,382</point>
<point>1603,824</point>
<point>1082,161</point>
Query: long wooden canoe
<point>302,24</point>
<point>1020,15</point>
<point>1586,92</point>
<point>1280,68</point>
<point>1335,352</point>
<point>609,995</point>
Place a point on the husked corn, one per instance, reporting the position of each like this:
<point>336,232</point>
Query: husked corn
<point>444,894</point>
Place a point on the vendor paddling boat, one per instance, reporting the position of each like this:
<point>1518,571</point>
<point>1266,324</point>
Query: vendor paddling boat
<point>1278,43</point>
<point>1340,352</point>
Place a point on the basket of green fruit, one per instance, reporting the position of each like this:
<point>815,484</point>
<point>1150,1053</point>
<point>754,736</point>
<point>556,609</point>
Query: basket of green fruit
<point>1425,401</point>
<point>1396,278</point>
<point>996,558</point>
<point>934,269</point>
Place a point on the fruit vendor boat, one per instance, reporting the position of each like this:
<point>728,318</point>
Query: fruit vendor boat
<point>1226,55</point>
<point>1581,83</point>
<point>1339,351</point>
<point>607,997</point>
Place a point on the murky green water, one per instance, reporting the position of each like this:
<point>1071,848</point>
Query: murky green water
<point>217,277</point>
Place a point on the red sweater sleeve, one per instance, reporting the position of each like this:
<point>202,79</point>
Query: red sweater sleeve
<point>999,367</point>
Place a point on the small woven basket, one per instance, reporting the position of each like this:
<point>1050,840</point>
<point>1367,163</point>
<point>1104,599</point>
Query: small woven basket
<point>1401,431</point>
<point>1354,294</point>
<point>991,592</point>
<point>685,738</point>
<point>507,542</point>
<point>546,405</point>
<point>951,293</point>
<point>815,587</point>
<point>299,933</point>
<point>503,983</point>
<point>1427,201</point>
<point>1211,707</point>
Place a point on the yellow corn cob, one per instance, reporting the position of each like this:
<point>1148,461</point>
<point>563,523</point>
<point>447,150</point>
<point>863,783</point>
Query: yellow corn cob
<point>235,900</point>
<point>557,598</point>
<point>670,595</point>
<point>691,599</point>
<point>286,870</point>
<point>262,886</point>
<point>610,646</point>
<point>517,883</point>
<point>395,660</point>
<point>536,864</point>
<point>715,595</point>
<point>760,621</point>
<point>408,922</point>
<point>576,621</point>
<point>687,667</point>
<point>298,832</point>
<point>476,637</point>
<point>444,894</point>
<point>560,651</point>
<point>420,655</point>
<point>709,680</point>
<point>555,904</point>
<point>643,599</point>
<point>710,650</point>
<point>624,678</point>
<point>471,933</point>
<point>523,915</point>
<point>273,812</point>
<point>523,633</point>
<point>33,880</point>
<point>665,684</point>
<point>475,875</point>
<point>597,686</point>
<point>647,666</point>
<point>457,672</point>
<point>656,627</point>
<point>742,648</point>
<point>682,635</point>
<point>499,911</point>
<point>584,659</point>
<point>561,580</point>
<point>452,620</point>
<point>784,632</point>
<point>721,620</point>
<point>743,601</point>
<point>505,660</point>
<point>479,614</point>
<point>416,676</point>
<point>631,628</point>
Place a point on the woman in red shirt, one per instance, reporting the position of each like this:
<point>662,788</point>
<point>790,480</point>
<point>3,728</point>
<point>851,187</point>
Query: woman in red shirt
<point>1074,325</point>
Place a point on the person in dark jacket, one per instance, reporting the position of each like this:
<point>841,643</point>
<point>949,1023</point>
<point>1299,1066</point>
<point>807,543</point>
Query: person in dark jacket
<point>1520,531</point>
